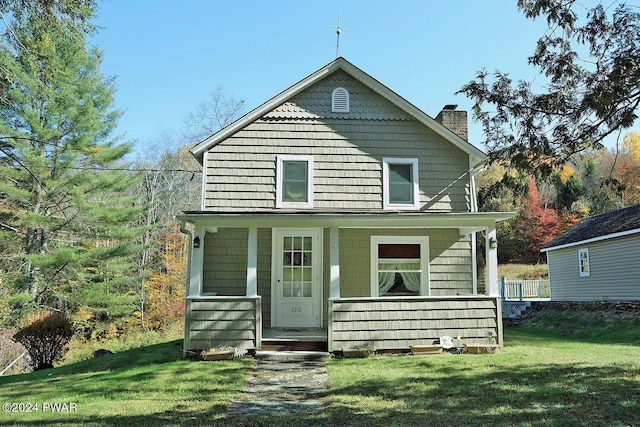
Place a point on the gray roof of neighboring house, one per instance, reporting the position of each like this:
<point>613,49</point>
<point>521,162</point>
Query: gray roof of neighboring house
<point>599,226</point>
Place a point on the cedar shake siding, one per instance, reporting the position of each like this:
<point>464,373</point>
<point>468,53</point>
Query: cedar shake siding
<point>449,261</point>
<point>347,150</point>
<point>225,267</point>
<point>339,156</point>
<point>399,324</point>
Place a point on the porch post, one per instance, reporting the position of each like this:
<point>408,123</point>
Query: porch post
<point>252,263</point>
<point>491,245</point>
<point>197,259</point>
<point>334,261</point>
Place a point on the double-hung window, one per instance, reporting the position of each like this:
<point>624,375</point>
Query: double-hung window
<point>400,183</point>
<point>583,262</point>
<point>294,182</point>
<point>399,266</point>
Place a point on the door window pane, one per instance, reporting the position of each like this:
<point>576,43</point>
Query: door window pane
<point>297,271</point>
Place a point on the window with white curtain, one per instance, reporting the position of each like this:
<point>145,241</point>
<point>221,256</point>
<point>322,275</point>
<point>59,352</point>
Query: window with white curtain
<point>583,262</point>
<point>294,181</point>
<point>399,266</point>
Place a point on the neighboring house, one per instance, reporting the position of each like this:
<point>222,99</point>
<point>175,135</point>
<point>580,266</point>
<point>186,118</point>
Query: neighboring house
<point>337,205</point>
<point>598,259</point>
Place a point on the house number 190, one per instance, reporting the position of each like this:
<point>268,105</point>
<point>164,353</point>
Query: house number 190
<point>296,309</point>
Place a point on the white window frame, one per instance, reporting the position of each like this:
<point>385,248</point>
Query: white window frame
<point>581,252</point>
<point>340,100</point>
<point>423,241</point>
<point>281,160</point>
<point>386,204</point>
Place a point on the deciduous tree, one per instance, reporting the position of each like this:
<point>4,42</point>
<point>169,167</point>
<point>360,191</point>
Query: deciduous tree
<point>589,61</point>
<point>539,221</point>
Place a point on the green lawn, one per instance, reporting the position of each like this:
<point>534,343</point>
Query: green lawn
<point>538,379</point>
<point>149,386</point>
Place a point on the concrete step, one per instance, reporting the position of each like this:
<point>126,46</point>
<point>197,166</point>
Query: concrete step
<point>514,309</point>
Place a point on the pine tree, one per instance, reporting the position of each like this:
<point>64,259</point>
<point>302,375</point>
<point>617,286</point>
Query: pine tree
<point>62,207</point>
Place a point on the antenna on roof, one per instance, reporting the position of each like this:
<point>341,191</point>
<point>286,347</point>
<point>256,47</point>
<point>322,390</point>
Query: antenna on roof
<point>338,32</point>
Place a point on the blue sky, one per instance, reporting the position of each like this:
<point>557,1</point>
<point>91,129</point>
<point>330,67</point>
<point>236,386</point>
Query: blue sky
<point>168,56</point>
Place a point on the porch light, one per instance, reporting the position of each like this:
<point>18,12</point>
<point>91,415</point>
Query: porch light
<point>196,242</point>
<point>493,243</point>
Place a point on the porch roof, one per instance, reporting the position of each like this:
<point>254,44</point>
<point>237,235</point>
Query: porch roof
<point>467,222</point>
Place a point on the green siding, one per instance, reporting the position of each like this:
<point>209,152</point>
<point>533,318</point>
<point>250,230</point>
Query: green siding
<point>233,321</point>
<point>400,323</point>
<point>450,261</point>
<point>225,262</point>
<point>347,151</point>
<point>615,271</point>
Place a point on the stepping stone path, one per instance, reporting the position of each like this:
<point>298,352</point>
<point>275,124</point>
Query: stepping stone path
<point>284,382</point>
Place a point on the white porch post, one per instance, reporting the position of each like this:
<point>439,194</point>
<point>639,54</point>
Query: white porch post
<point>334,261</point>
<point>252,263</point>
<point>491,245</point>
<point>197,259</point>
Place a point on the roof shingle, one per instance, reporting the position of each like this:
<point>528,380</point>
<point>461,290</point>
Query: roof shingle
<point>598,226</point>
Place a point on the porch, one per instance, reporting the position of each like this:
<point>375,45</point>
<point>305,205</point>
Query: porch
<point>381,323</point>
<point>256,280</point>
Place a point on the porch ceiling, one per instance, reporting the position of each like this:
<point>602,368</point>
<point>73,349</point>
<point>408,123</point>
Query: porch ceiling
<point>467,222</point>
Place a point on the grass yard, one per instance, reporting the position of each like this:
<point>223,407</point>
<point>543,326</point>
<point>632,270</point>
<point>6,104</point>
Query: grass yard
<point>541,378</point>
<point>523,271</point>
<point>148,386</point>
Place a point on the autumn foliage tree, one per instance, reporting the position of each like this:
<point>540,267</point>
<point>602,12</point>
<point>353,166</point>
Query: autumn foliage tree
<point>165,289</point>
<point>539,221</point>
<point>627,169</point>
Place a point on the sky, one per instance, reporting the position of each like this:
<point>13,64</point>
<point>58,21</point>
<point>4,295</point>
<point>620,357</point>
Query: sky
<point>168,56</point>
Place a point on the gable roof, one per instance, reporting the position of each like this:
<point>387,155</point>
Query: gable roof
<point>604,226</point>
<point>340,63</point>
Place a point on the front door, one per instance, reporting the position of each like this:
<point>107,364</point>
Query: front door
<point>297,278</point>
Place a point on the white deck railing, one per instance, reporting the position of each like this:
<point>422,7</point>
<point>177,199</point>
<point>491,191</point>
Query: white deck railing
<point>523,289</point>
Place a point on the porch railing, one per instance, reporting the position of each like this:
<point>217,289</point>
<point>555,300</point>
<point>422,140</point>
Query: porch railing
<point>524,289</point>
<point>228,320</point>
<point>399,323</point>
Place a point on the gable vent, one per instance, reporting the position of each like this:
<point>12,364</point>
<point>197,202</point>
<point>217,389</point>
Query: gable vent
<point>340,100</point>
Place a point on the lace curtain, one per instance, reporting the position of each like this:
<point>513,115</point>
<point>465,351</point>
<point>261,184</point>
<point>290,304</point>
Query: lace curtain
<point>410,276</point>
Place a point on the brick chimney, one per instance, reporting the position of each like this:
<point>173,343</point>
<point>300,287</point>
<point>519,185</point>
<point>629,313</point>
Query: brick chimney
<point>454,120</point>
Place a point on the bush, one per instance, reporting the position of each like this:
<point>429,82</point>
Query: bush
<point>45,338</point>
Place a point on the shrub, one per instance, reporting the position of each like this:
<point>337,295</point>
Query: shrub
<point>45,337</point>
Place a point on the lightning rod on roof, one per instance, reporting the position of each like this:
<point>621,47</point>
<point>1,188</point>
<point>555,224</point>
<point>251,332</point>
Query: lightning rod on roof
<point>338,32</point>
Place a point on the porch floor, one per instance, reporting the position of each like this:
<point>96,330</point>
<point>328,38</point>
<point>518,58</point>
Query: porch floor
<point>295,334</point>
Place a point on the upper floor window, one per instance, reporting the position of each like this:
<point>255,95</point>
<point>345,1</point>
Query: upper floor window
<point>340,100</point>
<point>400,183</point>
<point>294,182</point>
<point>583,262</point>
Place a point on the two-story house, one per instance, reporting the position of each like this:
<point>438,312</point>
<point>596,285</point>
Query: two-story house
<point>339,206</point>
